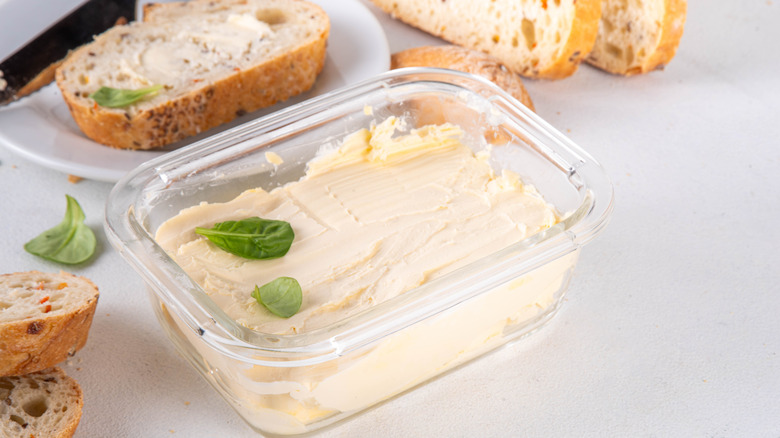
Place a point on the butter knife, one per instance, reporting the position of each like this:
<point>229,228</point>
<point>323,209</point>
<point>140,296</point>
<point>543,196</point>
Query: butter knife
<point>33,65</point>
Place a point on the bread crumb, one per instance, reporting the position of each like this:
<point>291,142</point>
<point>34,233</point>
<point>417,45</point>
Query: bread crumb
<point>73,179</point>
<point>172,431</point>
<point>186,403</point>
<point>568,130</point>
<point>273,158</point>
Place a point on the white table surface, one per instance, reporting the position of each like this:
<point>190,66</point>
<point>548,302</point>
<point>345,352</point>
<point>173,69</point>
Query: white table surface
<point>671,326</point>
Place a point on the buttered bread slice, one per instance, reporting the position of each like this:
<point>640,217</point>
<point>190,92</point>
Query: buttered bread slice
<point>536,38</point>
<point>213,60</point>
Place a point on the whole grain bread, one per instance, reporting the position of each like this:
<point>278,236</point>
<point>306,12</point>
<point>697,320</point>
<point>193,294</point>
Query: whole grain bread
<point>44,319</point>
<point>44,404</point>
<point>536,38</point>
<point>216,59</point>
<point>465,60</point>
<point>637,37</point>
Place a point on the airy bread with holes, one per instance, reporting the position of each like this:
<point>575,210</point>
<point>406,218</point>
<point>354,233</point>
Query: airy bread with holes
<point>44,404</point>
<point>468,61</point>
<point>216,59</point>
<point>536,38</point>
<point>44,319</point>
<point>638,36</point>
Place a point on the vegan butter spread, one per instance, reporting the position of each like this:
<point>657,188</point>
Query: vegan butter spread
<point>380,215</point>
<point>200,52</point>
<point>383,213</point>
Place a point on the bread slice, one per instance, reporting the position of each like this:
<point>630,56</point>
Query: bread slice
<point>44,404</point>
<point>217,59</point>
<point>638,36</point>
<point>468,61</point>
<point>536,38</point>
<point>44,319</point>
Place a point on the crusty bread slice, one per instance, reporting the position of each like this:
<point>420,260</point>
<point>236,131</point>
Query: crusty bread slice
<point>637,36</point>
<point>217,59</point>
<point>44,404</point>
<point>465,60</point>
<point>536,38</point>
<point>44,319</point>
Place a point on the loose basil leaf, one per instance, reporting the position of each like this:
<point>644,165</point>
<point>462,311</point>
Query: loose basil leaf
<point>118,98</point>
<point>70,242</point>
<point>251,238</point>
<point>282,296</point>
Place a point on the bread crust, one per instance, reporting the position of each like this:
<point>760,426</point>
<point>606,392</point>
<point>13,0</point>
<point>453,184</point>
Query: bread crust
<point>578,44</point>
<point>263,85</point>
<point>671,33</point>
<point>583,35</point>
<point>41,341</point>
<point>468,61</point>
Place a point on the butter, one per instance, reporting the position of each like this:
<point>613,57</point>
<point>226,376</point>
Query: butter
<point>273,158</point>
<point>203,51</point>
<point>249,23</point>
<point>383,213</point>
<point>379,216</point>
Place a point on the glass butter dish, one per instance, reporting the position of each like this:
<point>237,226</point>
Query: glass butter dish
<point>296,375</point>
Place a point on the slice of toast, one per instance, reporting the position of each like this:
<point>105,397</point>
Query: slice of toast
<point>215,59</point>
<point>536,38</point>
<point>638,36</point>
<point>44,404</point>
<point>44,319</point>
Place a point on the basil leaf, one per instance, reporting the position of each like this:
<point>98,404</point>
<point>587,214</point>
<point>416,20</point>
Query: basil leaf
<point>118,98</point>
<point>69,242</point>
<point>251,238</point>
<point>282,296</point>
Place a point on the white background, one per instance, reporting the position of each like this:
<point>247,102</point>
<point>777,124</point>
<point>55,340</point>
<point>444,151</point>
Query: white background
<point>672,323</point>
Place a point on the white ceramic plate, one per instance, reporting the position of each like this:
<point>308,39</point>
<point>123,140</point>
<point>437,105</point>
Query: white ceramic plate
<point>40,128</point>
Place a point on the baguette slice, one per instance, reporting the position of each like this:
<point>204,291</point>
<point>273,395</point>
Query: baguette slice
<point>44,404</point>
<point>465,60</point>
<point>542,39</point>
<point>638,36</point>
<point>44,319</point>
<point>217,59</point>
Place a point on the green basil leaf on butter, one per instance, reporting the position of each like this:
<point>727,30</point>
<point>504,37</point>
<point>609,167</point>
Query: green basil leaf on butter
<point>282,296</point>
<point>70,242</point>
<point>118,98</point>
<point>251,238</point>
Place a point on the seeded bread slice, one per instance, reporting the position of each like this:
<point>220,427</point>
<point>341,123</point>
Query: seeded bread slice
<point>44,404</point>
<point>465,60</point>
<point>217,59</point>
<point>638,36</point>
<point>44,319</point>
<point>536,38</point>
